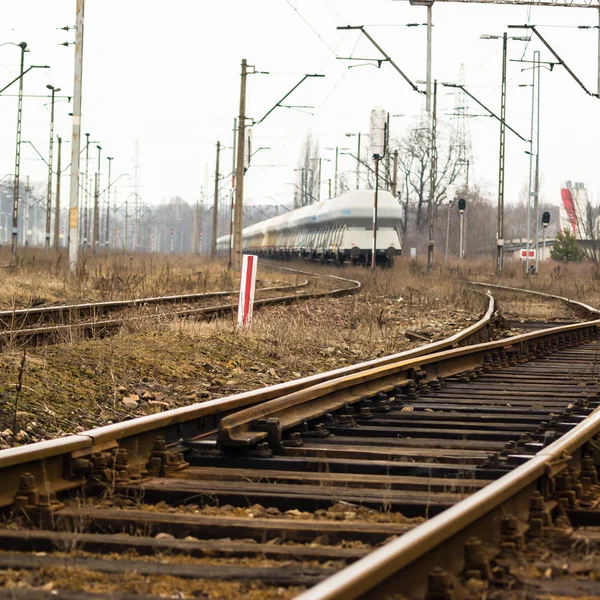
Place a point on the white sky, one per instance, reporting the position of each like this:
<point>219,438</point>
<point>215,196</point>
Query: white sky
<point>167,74</point>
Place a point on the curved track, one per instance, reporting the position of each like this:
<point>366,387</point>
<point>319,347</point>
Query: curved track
<point>67,323</point>
<point>460,433</point>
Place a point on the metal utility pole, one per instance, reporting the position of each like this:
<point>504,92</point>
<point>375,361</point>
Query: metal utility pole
<point>86,192</point>
<point>49,195</point>
<point>76,139</point>
<point>379,139</point>
<point>107,224</point>
<point>462,205</point>
<point>26,228</point>
<point>432,178</point>
<point>304,197</point>
<point>126,234</point>
<point>450,203</point>
<point>500,231</point>
<point>213,247</point>
<point>238,209</point>
<point>319,186</point>
<point>394,174</point>
<point>502,154</point>
<point>95,227</point>
<point>15,210</point>
<point>429,52</point>
<point>358,163</point>
<point>534,149</point>
<point>335,184</point>
<point>377,157</point>
<point>57,199</point>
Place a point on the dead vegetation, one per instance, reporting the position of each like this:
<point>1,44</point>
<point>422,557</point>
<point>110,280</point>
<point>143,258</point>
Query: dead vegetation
<point>154,365</point>
<point>42,279</point>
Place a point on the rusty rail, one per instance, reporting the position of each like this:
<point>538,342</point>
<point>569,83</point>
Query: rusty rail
<point>405,563</point>
<point>61,464</point>
<point>573,303</point>
<point>58,462</point>
<point>45,313</point>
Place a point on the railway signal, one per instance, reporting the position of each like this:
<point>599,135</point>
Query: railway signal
<point>462,205</point>
<point>545,223</point>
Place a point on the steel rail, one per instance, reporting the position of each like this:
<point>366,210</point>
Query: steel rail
<point>10,316</point>
<point>54,462</point>
<point>59,464</point>
<point>400,558</point>
<point>568,301</point>
<point>292,409</point>
<point>102,326</point>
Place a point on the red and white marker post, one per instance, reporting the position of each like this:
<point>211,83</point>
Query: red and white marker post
<point>247,286</point>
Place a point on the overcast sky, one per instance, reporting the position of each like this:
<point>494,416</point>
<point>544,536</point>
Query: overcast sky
<point>167,75</point>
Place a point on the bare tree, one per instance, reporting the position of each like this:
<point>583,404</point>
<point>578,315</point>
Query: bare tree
<point>414,164</point>
<point>307,173</point>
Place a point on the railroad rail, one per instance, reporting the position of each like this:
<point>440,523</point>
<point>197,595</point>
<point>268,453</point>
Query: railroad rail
<point>98,327</point>
<point>585,309</point>
<point>457,435</point>
<point>66,313</point>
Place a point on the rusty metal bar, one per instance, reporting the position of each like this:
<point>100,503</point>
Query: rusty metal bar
<point>363,576</point>
<point>568,301</point>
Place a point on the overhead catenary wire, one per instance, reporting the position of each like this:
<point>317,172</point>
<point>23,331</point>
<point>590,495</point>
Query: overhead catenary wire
<point>311,28</point>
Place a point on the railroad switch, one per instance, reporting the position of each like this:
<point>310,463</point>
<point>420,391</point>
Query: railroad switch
<point>38,506</point>
<point>162,462</point>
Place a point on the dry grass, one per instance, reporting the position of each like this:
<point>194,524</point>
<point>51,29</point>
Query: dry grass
<point>81,384</point>
<point>44,278</point>
<point>577,281</point>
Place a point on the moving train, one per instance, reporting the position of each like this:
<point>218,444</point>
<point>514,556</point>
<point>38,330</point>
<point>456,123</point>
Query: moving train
<point>339,230</point>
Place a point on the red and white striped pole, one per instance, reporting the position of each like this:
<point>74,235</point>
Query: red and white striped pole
<point>247,285</point>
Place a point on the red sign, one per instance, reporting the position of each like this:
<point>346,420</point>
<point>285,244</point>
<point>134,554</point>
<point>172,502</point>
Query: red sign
<point>247,285</point>
<point>524,253</point>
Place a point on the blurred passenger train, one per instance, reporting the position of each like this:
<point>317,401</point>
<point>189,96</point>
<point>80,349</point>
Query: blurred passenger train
<point>339,230</point>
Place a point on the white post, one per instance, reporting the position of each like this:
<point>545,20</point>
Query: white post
<point>247,286</point>
<point>462,222</point>
<point>76,139</point>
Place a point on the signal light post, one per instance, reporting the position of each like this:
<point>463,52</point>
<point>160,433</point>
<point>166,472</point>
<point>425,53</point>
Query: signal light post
<point>378,135</point>
<point>545,223</point>
<point>462,205</point>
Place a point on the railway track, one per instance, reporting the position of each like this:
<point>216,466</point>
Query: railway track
<point>53,324</point>
<point>318,474</point>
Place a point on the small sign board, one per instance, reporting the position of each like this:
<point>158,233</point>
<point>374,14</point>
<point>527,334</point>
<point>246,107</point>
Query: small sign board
<point>247,286</point>
<point>524,253</point>
<point>413,253</point>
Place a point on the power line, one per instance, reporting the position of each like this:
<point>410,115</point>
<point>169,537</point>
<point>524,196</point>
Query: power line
<point>312,28</point>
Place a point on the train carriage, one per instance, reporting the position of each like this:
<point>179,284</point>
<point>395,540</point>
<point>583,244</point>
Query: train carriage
<point>338,230</point>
